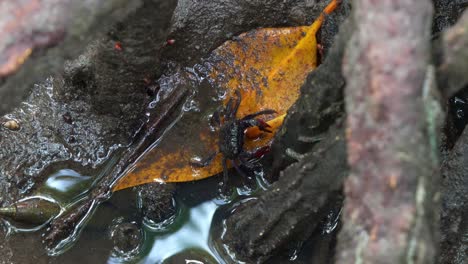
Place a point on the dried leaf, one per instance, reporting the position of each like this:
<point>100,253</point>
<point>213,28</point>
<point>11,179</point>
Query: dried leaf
<point>268,67</point>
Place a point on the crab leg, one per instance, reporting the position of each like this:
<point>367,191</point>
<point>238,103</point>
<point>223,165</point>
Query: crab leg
<point>225,172</point>
<point>258,153</point>
<point>262,125</point>
<point>244,159</point>
<point>215,119</point>
<point>232,106</point>
<point>263,112</point>
<point>238,169</point>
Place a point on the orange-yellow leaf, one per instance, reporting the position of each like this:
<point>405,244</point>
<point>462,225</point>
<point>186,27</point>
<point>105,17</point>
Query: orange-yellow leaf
<point>268,67</point>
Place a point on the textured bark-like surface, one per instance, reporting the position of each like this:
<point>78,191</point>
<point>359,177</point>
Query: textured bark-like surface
<point>388,215</point>
<point>454,215</point>
<point>455,63</point>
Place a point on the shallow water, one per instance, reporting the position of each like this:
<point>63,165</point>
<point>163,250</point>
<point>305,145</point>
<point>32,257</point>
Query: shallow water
<point>187,235</point>
<point>193,234</point>
<point>66,185</point>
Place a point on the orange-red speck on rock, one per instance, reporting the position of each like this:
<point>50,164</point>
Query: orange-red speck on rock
<point>118,46</point>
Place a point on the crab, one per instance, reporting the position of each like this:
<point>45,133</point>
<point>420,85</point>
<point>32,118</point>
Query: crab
<point>231,137</point>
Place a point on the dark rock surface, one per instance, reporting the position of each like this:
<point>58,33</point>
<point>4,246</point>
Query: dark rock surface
<point>201,26</point>
<point>85,116</point>
<point>289,211</point>
<point>454,211</point>
<point>127,237</point>
<point>454,206</point>
<point>157,203</point>
<point>455,64</point>
<point>53,32</point>
<point>446,13</point>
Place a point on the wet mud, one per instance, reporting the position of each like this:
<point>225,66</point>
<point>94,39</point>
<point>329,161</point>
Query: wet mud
<point>81,118</point>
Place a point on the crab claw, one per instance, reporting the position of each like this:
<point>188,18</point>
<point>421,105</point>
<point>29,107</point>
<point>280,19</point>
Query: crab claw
<point>262,125</point>
<point>260,152</point>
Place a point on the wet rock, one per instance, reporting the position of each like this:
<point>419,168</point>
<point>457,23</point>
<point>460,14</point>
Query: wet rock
<point>104,93</point>
<point>320,104</point>
<point>37,37</point>
<point>331,26</point>
<point>455,61</point>
<point>65,227</point>
<point>201,26</point>
<point>156,201</point>
<point>103,90</point>
<point>289,211</point>
<point>446,13</point>
<point>67,118</point>
<point>454,211</point>
<point>126,237</point>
